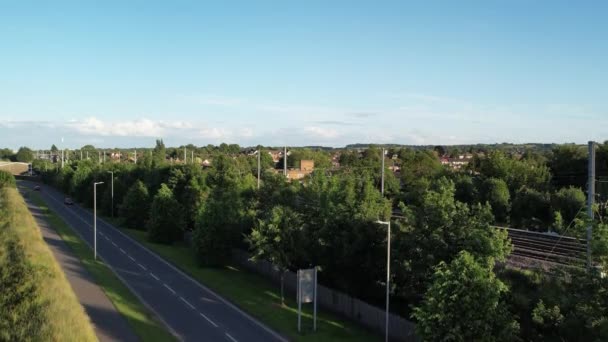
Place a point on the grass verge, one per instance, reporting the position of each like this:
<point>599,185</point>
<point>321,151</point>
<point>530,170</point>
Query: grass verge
<point>258,297</point>
<point>143,322</point>
<point>61,317</point>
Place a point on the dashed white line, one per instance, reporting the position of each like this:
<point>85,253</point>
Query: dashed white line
<point>107,238</point>
<point>208,320</point>
<point>115,245</point>
<point>122,250</point>
<point>130,257</point>
<point>142,267</point>
<point>153,276</point>
<point>187,303</point>
<point>231,338</point>
<point>169,288</point>
<point>100,233</point>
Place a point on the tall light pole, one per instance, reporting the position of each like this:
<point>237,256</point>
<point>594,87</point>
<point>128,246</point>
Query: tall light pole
<point>590,199</point>
<point>95,218</point>
<point>259,152</point>
<point>382,181</point>
<point>388,272</point>
<point>112,172</point>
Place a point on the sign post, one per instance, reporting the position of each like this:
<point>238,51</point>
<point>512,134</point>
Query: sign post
<point>307,293</point>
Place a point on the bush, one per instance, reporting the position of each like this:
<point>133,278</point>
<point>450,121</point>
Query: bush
<point>6,179</point>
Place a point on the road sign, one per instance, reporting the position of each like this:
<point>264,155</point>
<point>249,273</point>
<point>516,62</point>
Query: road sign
<point>307,293</point>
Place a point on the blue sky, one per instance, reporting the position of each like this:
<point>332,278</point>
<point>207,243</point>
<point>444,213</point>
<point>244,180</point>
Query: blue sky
<point>122,73</point>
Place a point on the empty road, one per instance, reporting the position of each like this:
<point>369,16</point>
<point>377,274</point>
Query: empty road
<point>189,309</point>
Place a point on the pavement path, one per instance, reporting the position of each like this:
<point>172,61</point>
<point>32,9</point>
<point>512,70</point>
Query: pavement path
<point>189,309</point>
<point>109,324</point>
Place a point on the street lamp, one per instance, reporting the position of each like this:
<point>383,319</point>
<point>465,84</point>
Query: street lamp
<point>95,218</point>
<point>388,271</point>
<point>112,172</point>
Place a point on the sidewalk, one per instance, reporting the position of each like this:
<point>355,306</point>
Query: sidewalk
<point>108,322</point>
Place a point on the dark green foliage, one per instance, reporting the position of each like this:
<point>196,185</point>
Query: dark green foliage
<point>24,155</point>
<point>22,315</point>
<point>496,193</point>
<point>135,207</point>
<point>465,302</point>
<point>222,220</point>
<point>167,222</point>
<point>437,230</point>
<point>568,164</point>
<point>569,202</point>
<point>531,210</point>
<point>6,179</point>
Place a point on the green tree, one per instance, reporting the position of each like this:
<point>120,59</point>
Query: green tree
<point>465,302</point>
<point>496,193</point>
<point>436,230</point>
<point>569,202</point>
<point>278,238</point>
<point>220,223</point>
<point>166,223</point>
<point>24,155</point>
<point>135,206</point>
<point>159,154</point>
<point>568,164</point>
<point>531,209</point>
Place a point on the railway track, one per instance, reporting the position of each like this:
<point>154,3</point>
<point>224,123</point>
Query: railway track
<point>547,247</point>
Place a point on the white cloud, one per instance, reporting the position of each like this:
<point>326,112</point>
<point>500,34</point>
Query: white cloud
<point>321,132</point>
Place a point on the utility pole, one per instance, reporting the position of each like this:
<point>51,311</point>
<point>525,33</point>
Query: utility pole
<point>259,152</point>
<point>285,162</point>
<point>590,199</point>
<point>388,274</point>
<point>112,172</point>
<point>184,154</point>
<point>80,154</point>
<point>135,156</point>
<point>95,218</point>
<point>104,156</point>
<point>382,181</point>
<point>87,155</point>
<point>192,156</point>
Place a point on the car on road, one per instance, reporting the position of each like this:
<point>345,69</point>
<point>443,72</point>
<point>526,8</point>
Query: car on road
<point>37,188</point>
<point>68,201</point>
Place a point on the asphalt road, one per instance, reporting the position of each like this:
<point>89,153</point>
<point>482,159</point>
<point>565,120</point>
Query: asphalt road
<point>190,310</point>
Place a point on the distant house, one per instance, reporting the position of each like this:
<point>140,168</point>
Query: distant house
<point>457,162</point>
<point>306,168</point>
<point>206,163</point>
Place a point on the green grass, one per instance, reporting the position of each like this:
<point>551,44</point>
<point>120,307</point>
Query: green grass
<point>258,297</point>
<point>62,318</point>
<point>143,322</point>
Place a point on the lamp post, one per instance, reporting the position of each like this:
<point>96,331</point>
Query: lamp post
<point>112,172</point>
<point>388,272</point>
<point>95,218</point>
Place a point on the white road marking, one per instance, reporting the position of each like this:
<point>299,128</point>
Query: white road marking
<point>170,289</point>
<point>100,233</point>
<point>208,320</point>
<point>107,238</point>
<point>187,303</point>
<point>115,245</point>
<point>142,267</point>
<point>130,257</point>
<point>122,250</point>
<point>77,214</point>
<point>231,338</point>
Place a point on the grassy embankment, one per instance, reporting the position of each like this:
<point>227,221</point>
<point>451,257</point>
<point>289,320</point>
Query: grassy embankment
<point>36,300</point>
<point>143,322</point>
<point>258,297</point>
